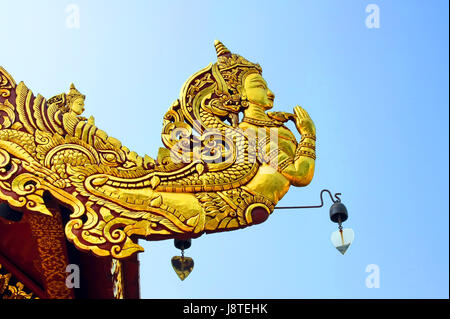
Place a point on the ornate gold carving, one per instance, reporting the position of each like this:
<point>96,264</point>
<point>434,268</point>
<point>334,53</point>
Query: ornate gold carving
<point>307,145</point>
<point>300,152</point>
<point>6,83</point>
<point>264,123</point>
<point>310,136</point>
<point>12,291</point>
<point>212,175</point>
<point>8,116</point>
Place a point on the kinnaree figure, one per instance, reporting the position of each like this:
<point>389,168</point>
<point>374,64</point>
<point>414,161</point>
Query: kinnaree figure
<point>214,173</point>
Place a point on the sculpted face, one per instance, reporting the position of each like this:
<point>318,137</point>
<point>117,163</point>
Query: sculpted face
<point>78,106</point>
<point>257,91</point>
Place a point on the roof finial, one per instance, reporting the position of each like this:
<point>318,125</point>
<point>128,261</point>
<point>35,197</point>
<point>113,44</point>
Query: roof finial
<point>221,49</point>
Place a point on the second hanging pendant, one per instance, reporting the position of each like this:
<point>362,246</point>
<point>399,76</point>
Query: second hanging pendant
<point>182,265</point>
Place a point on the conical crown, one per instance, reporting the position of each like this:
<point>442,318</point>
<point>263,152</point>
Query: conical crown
<point>227,60</point>
<point>221,49</point>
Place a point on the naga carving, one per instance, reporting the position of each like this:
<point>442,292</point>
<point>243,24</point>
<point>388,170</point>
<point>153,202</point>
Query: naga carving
<point>214,173</point>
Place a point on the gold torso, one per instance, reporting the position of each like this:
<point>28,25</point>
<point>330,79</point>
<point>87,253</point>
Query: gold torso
<point>269,181</point>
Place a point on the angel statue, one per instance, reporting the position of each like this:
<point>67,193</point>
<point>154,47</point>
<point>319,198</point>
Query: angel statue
<point>215,172</point>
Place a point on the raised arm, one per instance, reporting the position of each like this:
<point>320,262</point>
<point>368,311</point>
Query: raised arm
<point>300,169</point>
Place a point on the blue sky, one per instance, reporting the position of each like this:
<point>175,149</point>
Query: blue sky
<point>379,98</point>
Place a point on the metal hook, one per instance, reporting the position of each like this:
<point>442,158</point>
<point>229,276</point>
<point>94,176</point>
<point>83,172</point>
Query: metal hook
<point>338,199</point>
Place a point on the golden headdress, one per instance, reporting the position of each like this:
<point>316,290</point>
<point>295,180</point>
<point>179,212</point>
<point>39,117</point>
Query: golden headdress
<point>230,72</point>
<point>214,90</point>
<point>233,67</point>
<point>227,60</point>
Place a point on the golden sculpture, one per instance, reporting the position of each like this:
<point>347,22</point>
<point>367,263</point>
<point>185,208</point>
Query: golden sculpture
<point>214,173</point>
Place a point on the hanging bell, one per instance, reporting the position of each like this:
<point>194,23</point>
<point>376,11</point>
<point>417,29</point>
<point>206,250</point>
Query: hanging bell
<point>343,237</point>
<point>338,213</point>
<point>182,265</point>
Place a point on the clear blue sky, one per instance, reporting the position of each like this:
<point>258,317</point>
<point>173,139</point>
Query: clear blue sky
<point>379,98</point>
